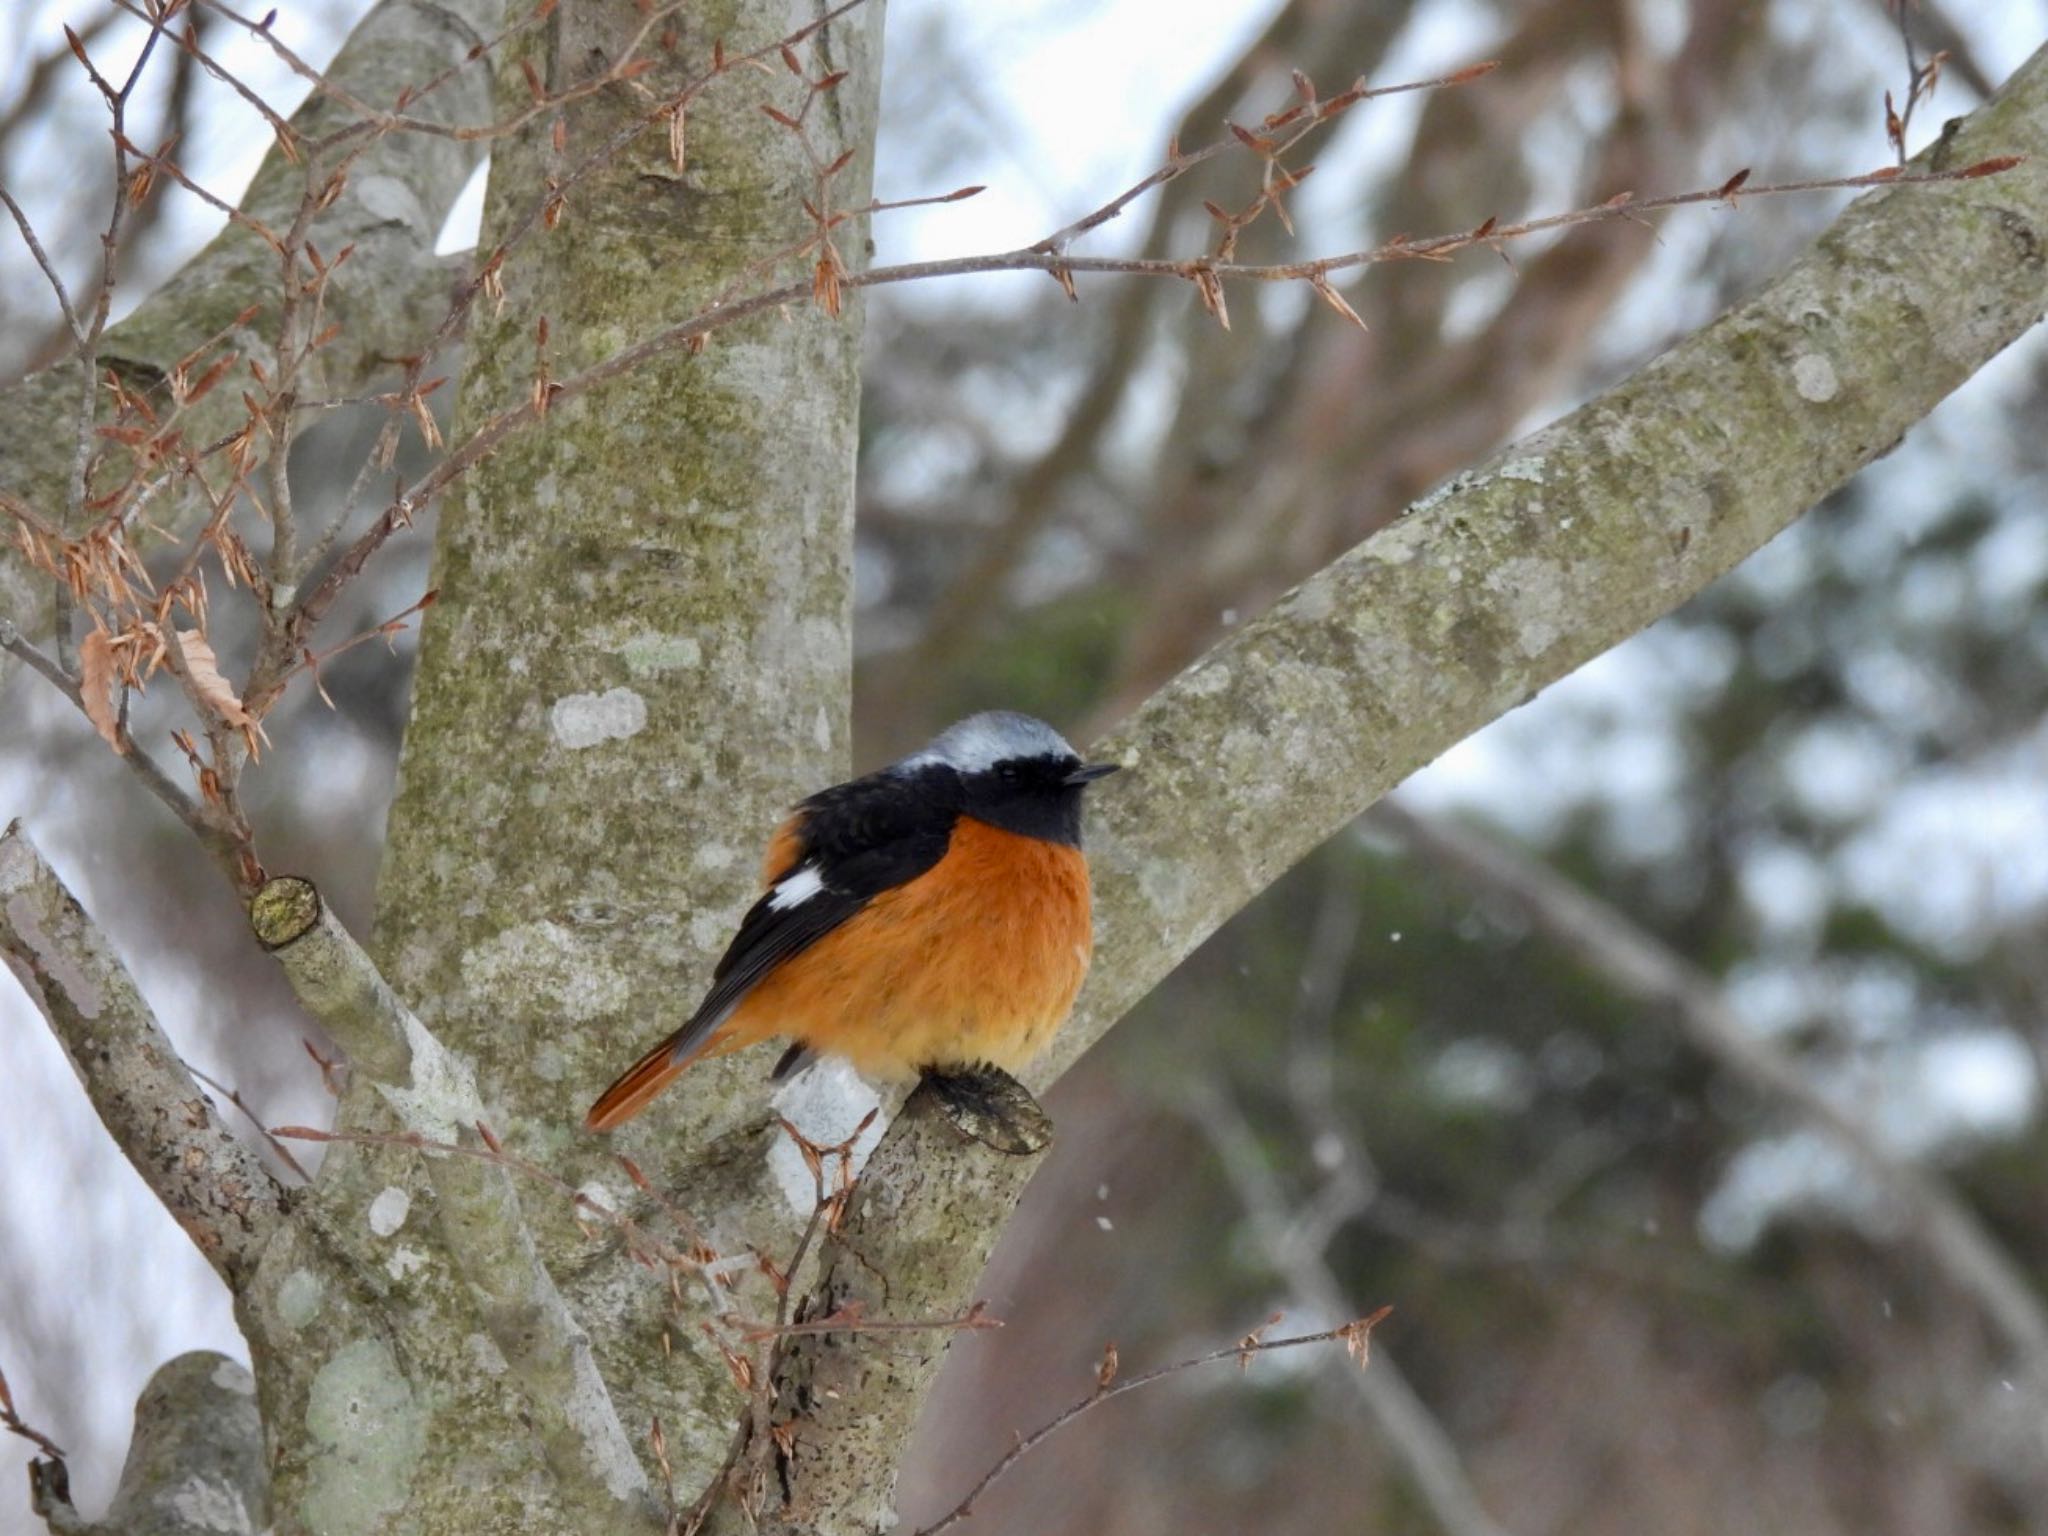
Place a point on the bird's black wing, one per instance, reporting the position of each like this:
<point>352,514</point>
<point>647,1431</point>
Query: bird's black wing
<point>859,839</point>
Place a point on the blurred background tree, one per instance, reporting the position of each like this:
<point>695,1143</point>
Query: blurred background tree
<point>1633,1288</point>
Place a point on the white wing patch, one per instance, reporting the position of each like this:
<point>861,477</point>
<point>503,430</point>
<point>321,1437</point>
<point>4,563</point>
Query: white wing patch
<point>796,889</point>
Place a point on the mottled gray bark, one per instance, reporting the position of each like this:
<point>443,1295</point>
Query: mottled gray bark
<point>644,623</point>
<point>215,1187</point>
<point>1514,574</point>
<point>432,1094</point>
<point>195,1461</point>
<point>847,1400</point>
<point>387,298</point>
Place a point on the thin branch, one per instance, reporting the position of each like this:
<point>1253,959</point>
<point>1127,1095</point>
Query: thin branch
<point>1177,165</point>
<point>1377,650</point>
<point>12,1421</point>
<point>234,1097</point>
<point>1354,1336</point>
<point>194,815</point>
<point>42,259</point>
<point>1413,1432</point>
<point>495,430</point>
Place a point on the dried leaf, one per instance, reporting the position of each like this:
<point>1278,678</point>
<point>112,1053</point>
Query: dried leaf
<point>202,671</point>
<point>825,282</point>
<point>96,687</point>
<point>1357,1336</point>
<point>1105,1372</point>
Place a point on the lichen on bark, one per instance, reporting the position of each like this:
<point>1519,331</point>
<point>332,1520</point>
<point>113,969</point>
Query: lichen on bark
<point>643,623</point>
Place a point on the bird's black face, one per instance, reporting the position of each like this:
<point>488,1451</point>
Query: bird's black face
<point>1036,796</point>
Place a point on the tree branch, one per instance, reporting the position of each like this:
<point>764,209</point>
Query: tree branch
<point>915,1240</point>
<point>1567,543</point>
<point>1513,575</point>
<point>196,1464</point>
<point>1415,1435</point>
<point>215,1186</point>
<point>1633,960</point>
<point>433,1093</point>
<point>389,295</point>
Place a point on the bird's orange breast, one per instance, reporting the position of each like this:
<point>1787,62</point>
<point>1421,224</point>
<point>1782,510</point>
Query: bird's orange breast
<point>976,960</point>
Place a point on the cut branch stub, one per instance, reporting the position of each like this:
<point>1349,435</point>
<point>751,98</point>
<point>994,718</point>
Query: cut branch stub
<point>282,910</point>
<point>334,977</point>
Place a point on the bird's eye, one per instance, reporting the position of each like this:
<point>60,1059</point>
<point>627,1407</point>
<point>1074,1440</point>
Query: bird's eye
<point>1008,772</point>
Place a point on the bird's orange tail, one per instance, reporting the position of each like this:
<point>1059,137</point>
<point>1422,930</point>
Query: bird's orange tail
<point>636,1088</point>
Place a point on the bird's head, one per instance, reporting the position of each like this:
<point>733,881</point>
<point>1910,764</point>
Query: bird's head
<point>1015,772</point>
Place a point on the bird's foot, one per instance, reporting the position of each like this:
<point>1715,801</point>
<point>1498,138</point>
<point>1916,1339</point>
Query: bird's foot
<point>988,1105</point>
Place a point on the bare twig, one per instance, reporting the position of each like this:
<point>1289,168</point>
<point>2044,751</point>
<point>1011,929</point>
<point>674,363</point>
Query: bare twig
<point>12,1421</point>
<point>49,270</point>
<point>234,1097</point>
<point>486,439</point>
<point>194,815</point>
<point>1354,1336</point>
<point>1413,1432</point>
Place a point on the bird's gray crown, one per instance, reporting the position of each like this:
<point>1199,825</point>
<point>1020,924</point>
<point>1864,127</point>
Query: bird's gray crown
<point>981,741</point>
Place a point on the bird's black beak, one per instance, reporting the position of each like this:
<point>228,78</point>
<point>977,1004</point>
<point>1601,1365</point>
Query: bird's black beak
<point>1088,773</point>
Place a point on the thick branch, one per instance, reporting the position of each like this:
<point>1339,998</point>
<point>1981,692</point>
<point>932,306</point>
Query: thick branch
<point>925,1214</point>
<point>195,1465</point>
<point>338,983</point>
<point>215,1186</point>
<point>434,1094</point>
<point>1509,577</point>
<point>1637,963</point>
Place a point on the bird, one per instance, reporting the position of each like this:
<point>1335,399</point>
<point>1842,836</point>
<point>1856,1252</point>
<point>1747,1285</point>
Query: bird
<point>929,920</point>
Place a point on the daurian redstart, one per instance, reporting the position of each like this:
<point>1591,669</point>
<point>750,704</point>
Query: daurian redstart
<point>932,916</point>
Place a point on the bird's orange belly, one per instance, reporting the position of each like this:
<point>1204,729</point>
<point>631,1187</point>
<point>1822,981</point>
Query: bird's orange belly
<point>976,960</point>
